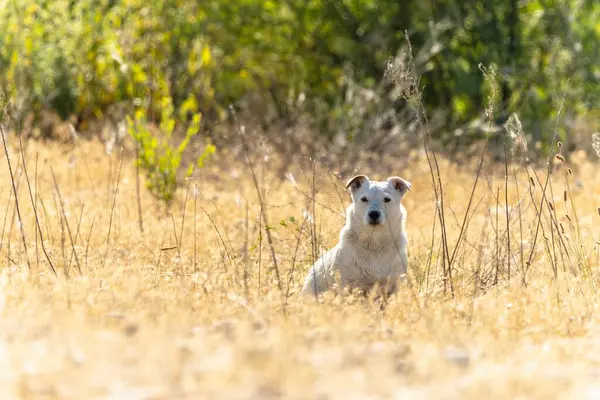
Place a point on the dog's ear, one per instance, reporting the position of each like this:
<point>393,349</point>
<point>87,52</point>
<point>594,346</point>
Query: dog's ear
<point>356,182</point>
<point>399,184</point>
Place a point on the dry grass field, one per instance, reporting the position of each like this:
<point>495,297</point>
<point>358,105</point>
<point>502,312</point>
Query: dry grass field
<point>190,307</point>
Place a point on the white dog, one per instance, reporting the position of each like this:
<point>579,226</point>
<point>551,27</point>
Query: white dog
<point>373,242</point>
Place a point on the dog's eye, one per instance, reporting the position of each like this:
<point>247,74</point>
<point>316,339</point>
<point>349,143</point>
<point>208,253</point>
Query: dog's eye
<point>387,199</point>
<point>364,199</point>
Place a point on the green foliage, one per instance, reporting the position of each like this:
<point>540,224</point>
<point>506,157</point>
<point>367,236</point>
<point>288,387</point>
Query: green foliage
<point>37,56</point>
<point>160,159</point>
<point>285,59</point>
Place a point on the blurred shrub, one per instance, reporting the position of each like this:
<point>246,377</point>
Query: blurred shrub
<point>158,155</point>
<point>284,59</point>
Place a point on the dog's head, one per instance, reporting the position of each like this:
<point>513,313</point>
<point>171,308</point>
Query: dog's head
<point>375,203</point>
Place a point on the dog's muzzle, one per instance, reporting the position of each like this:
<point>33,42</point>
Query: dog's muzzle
<point>374,217</point>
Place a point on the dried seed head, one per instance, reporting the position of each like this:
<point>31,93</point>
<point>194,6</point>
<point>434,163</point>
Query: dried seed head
<point>532,181</point>
<point>569,218</point>
<point>560,157</point>
<point>570,171</point>
<point>565,196</point>
<point>551,205</point>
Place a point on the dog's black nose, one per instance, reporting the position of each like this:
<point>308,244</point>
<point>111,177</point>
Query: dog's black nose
<point>374,215</point>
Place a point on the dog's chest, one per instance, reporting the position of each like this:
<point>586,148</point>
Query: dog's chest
<point>368,267</point>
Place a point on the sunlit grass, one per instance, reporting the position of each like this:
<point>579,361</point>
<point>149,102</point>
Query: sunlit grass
<point>139,323</point>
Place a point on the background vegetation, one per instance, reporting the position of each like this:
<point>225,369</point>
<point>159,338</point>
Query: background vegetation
<point>315,63</point>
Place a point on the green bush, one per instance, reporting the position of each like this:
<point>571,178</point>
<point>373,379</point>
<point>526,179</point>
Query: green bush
<point>82,57</point>
<point>158,156</point>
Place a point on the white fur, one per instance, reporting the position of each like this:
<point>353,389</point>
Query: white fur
<point>368,253</point>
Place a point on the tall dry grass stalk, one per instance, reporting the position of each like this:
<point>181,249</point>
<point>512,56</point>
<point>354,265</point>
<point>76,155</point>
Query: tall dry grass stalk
<point>401,73</point>
<point>16,197</point>
<point>241,131</point>
<point>33,199</point>
<point>67,266</point>
<point>114,203</point>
